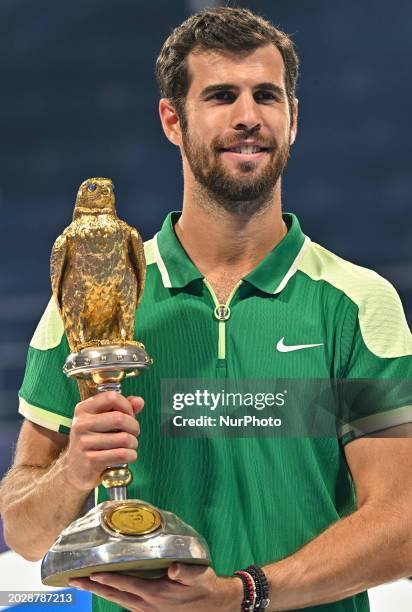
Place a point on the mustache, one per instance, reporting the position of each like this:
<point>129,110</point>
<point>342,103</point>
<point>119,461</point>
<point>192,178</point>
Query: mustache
<point>219,145</point>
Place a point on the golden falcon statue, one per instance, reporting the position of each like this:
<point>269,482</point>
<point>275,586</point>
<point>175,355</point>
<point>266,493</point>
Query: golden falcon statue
<point>97,270</point>
<point>98,273</point>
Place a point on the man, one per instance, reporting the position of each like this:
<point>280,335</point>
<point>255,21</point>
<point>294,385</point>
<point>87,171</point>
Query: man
<point>234,290</point>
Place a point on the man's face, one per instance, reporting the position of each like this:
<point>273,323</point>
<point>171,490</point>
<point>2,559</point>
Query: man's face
<point>236,99</point>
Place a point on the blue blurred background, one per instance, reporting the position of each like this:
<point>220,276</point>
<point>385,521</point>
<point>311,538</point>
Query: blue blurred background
<point>79,99</point>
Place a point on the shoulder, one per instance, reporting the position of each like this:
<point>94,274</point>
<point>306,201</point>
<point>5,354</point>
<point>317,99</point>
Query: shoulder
<point>356,281</point>
<point>379,309</point>
<point>150,251</point>
<point>50,330</point>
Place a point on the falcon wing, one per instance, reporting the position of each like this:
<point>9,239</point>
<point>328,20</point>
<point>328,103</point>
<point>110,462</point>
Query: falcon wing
<point>57,266</point>
<point>138,261</point>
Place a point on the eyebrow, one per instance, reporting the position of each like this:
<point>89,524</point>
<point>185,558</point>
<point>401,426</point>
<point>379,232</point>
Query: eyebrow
<point>268,86</point>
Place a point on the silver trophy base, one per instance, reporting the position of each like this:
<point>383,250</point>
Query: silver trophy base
<point>89,545</point>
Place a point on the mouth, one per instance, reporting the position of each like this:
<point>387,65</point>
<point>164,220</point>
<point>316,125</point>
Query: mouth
<point>250,152</point>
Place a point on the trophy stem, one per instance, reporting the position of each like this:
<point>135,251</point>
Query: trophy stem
<point>109,386</point>
<point>104,366</point>
<point>117,493</point>
<point>114,476</point>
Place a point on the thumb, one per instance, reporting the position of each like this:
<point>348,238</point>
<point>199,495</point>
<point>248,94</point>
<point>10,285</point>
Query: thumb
<point>185,574</point>
<point>137,403</point>
<point>173,571</point>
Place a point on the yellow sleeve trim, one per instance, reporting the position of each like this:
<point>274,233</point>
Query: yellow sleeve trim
<point>378,422</point>
<point>160,263</point>
<point>42,417</point>
<point>50,330</point>
<point>382,320</point>
<point>149,252</point>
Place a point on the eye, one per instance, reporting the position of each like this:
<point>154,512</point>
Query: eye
<point>265,95</point>
<point>219,95</point>
<point>91,187</point>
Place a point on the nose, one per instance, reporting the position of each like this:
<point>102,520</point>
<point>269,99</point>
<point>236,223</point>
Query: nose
<point>245,113</point>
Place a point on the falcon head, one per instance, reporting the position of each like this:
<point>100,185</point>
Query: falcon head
<point>95,195</point>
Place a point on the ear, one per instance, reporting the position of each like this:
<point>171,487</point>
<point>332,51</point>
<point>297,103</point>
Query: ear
<point>294,126</point>
<point>170,121</point>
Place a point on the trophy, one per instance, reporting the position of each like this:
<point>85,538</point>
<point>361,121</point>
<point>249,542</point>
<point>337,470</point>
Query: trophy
<point>98,271</point>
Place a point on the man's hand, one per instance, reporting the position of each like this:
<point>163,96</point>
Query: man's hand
<point>104,432</point>
<point>187,588</point>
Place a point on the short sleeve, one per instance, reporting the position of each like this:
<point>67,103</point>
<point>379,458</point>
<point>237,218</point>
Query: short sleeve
<point>376,378</point>
<point>47,397</point>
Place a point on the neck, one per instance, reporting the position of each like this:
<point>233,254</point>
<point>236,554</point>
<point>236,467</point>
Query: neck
<point>222,242</point>
<point>85,210</point>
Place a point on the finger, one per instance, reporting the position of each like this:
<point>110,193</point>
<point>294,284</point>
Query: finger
<point>138,586</point>
<point>106,401</point>
<point>80,583</point>
<point>109,441</point>
<point>101,459</point>
<point>111,422</point>
<point>124,599</point>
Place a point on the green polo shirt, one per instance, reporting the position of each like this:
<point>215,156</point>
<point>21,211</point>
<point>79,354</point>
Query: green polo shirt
<point>256,499</point>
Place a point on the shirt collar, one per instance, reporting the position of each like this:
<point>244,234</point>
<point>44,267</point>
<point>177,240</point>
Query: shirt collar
<point>270,275</point>
<point>176,268</point>
<point>280,264</point>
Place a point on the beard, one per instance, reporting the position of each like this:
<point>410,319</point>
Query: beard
<point>246,191</point>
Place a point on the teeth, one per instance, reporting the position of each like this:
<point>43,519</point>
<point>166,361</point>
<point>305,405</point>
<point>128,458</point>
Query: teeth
<point>246,149</point>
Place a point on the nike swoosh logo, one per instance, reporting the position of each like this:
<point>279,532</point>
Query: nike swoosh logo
<point>293,347</point>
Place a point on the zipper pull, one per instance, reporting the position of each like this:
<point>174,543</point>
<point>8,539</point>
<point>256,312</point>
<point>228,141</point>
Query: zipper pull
<point>222,312</point>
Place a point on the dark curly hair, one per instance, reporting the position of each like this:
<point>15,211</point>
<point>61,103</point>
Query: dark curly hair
<point>225,28</point>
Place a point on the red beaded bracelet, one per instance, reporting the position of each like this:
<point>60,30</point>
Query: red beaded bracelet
<point>255,589</point>
<point>249,599</point>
